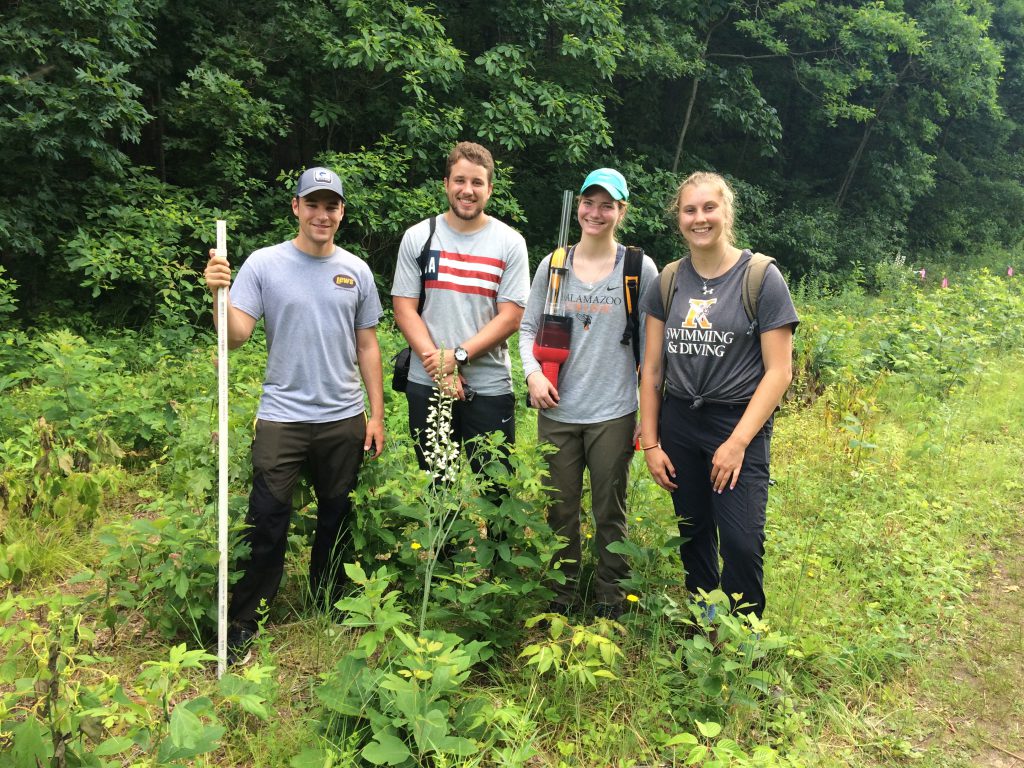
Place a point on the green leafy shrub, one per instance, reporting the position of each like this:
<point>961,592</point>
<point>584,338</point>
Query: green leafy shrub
<point>52,478</point>
<point>475,550</point>
<point>580,654</point>
<point>8,299</point>
<point>15,562</point>
<point>141,246</point>
<point>399,694</point>
<point>164,566</point>
<point>709,748</point>
<point>60,707</point>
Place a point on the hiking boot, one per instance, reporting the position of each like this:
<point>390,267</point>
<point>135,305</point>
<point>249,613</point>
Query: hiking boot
<point>240,645</point>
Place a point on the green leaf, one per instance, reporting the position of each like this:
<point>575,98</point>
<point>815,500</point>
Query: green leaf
<point>708,730</point>
<point>113,746</point>
<point>254,705</point>
<point>458,745</point>
<point>430,730</point>
<point>696,755</point>
<point>681,739</point>
<point>386,750</point>
<point>355,573</point>
<point>185,727</point>
<point>30,749</point>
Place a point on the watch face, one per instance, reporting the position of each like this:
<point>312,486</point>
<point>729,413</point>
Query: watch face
<point>461,355</point>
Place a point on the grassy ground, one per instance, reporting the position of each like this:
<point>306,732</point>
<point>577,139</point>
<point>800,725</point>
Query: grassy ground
<point>894,576</point>
<point>891,567</point>
<point>960,704</point>
<point>956,702</point>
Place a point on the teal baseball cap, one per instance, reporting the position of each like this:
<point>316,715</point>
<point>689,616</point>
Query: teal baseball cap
<point>608,179</point>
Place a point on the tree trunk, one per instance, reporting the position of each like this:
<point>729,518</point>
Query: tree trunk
<point>854,162</point>
<point>851,170</point>
<point>693,97</point>
<point>686,123</point>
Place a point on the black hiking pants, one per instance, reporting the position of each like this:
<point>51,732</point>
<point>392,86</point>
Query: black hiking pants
<point>730,524</point>
<point>333,452</point>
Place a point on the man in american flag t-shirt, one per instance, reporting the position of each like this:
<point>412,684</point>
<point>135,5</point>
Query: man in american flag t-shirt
<point>476,281</point>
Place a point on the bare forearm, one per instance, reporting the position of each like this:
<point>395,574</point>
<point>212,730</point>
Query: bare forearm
<point>412,326</point>
<point>496,332</point>
<point>762,405</point>
<point>218,277</point>
<point>240,325</point>
<point>651,381</point>
<point>777,353</point>
<point>372,373</point>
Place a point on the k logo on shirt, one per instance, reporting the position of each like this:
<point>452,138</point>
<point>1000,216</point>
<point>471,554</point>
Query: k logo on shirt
<point>697,317</point>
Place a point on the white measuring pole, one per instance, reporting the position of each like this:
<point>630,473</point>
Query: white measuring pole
<point>222,455</point>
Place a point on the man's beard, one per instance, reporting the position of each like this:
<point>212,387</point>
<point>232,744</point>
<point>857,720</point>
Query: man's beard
<point>478,212</point>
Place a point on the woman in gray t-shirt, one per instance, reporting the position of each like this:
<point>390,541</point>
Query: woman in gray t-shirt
<point>706,440</point>
<point>587,409</point>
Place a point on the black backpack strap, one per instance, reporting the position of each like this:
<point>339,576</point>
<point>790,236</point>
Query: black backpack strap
<point>422,260</point>
<point>631,267</point>
<point>751,292</point>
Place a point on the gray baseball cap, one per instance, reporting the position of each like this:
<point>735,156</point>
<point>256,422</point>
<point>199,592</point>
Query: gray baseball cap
<point>319,178</point>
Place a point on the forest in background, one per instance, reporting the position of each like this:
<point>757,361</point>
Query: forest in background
<point>855,131</point>
<point>865,139</point>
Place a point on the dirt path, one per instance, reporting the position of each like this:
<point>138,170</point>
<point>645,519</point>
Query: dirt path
<point>970,694</point>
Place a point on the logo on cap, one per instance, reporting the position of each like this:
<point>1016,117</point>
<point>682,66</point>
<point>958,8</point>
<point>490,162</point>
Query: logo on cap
<point>322,176</point>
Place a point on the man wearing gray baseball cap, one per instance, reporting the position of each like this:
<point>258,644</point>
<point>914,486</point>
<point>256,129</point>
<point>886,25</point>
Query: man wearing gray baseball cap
<point>319,178</point>
<point>320,308</point>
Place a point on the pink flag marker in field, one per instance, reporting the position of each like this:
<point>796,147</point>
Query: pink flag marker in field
<point>1009,271</point>
<point>945,283</point>
<point>922,273</point>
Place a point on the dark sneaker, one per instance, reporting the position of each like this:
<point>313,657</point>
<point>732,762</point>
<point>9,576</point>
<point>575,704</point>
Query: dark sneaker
<point>240,645</point>
<point>613,611</point>
<point>563,608</point>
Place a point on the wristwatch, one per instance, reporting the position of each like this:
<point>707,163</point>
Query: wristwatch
<point>461,356</point>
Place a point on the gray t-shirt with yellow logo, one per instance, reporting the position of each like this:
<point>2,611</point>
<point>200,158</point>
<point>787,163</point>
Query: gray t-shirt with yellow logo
<point>311,307</point>
<point>708,351</point>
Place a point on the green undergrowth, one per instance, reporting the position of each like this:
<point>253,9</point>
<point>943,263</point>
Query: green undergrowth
<point>896,476</point>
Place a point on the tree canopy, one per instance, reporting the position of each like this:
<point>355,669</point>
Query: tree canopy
<point>853,129</point>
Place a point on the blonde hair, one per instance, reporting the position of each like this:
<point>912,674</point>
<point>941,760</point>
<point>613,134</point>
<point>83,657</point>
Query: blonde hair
<point>717,182</point>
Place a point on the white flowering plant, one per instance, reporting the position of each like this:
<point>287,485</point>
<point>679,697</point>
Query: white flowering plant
<point>471,543</point>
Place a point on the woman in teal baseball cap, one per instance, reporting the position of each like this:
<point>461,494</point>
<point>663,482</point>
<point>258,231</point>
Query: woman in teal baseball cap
<point>589,413</point>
